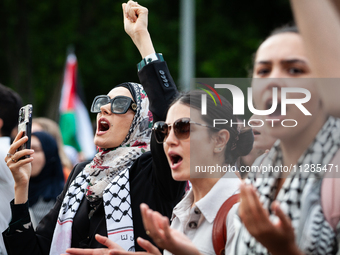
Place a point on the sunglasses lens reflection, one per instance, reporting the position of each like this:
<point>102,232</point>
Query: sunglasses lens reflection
<point>181,129</point>
<point>99,102</point>
<point>161,131</point>
<point>119,105</point>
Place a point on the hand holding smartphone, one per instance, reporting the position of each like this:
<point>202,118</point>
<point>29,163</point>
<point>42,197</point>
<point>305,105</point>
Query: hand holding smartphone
<point>25,124</point>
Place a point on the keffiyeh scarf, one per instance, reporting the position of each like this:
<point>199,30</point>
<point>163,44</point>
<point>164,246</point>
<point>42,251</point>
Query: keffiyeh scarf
<point>106,178</point>
<point>299,197</point>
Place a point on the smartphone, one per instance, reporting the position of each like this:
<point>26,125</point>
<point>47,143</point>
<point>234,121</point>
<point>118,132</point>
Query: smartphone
<point>25,124</point>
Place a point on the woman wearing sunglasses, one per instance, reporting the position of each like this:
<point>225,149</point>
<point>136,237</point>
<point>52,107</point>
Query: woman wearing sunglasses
<point>190,140</point>
<point>103,196</point>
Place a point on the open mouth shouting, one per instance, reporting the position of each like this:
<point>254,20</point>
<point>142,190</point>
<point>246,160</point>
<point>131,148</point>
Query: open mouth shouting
<point>256,132</point>
<point>175,160</point>
<point>103,126</point>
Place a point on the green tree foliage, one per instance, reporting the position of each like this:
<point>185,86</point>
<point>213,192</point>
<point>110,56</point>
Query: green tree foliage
<point>36,34</point>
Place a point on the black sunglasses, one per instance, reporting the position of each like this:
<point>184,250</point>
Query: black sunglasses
<point>119,104</point>
<point>181,129</point>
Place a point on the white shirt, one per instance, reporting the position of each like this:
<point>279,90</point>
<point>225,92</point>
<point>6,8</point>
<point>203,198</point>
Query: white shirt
<point>197,222</point>
<point>6,190</point>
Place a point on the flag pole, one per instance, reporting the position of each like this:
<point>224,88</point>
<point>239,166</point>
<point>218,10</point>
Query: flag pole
<point>187,44</point>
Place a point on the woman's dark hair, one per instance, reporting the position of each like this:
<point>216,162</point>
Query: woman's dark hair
<point>287,28</point>
<point>10,104</point>
<point>241,140</point>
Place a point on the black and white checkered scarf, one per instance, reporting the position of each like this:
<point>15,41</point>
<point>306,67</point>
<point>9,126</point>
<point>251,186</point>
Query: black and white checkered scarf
<point>299,197</point>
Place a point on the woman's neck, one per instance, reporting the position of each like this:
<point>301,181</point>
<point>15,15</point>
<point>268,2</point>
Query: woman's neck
<point>201,187</point>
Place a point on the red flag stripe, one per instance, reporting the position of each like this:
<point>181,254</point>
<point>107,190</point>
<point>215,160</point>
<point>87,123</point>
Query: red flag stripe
<point>69,85</point>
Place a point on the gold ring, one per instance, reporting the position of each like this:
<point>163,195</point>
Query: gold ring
<point>14,160</point>
<point>9,155</point>
<point>147,232</point>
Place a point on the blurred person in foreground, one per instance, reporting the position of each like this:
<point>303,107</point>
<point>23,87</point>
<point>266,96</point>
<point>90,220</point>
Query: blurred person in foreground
<point>10,104</point>
<point>289,211</point>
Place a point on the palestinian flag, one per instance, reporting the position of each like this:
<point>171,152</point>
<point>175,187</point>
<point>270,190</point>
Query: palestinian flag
<point>75,123</point>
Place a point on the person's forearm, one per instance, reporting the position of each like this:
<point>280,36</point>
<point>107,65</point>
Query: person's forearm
<point>21,194</point>
<point>319,25</point>
<point>143,42</point>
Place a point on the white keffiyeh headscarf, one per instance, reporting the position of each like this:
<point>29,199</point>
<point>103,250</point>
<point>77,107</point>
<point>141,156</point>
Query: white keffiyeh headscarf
<point>107,177</point>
